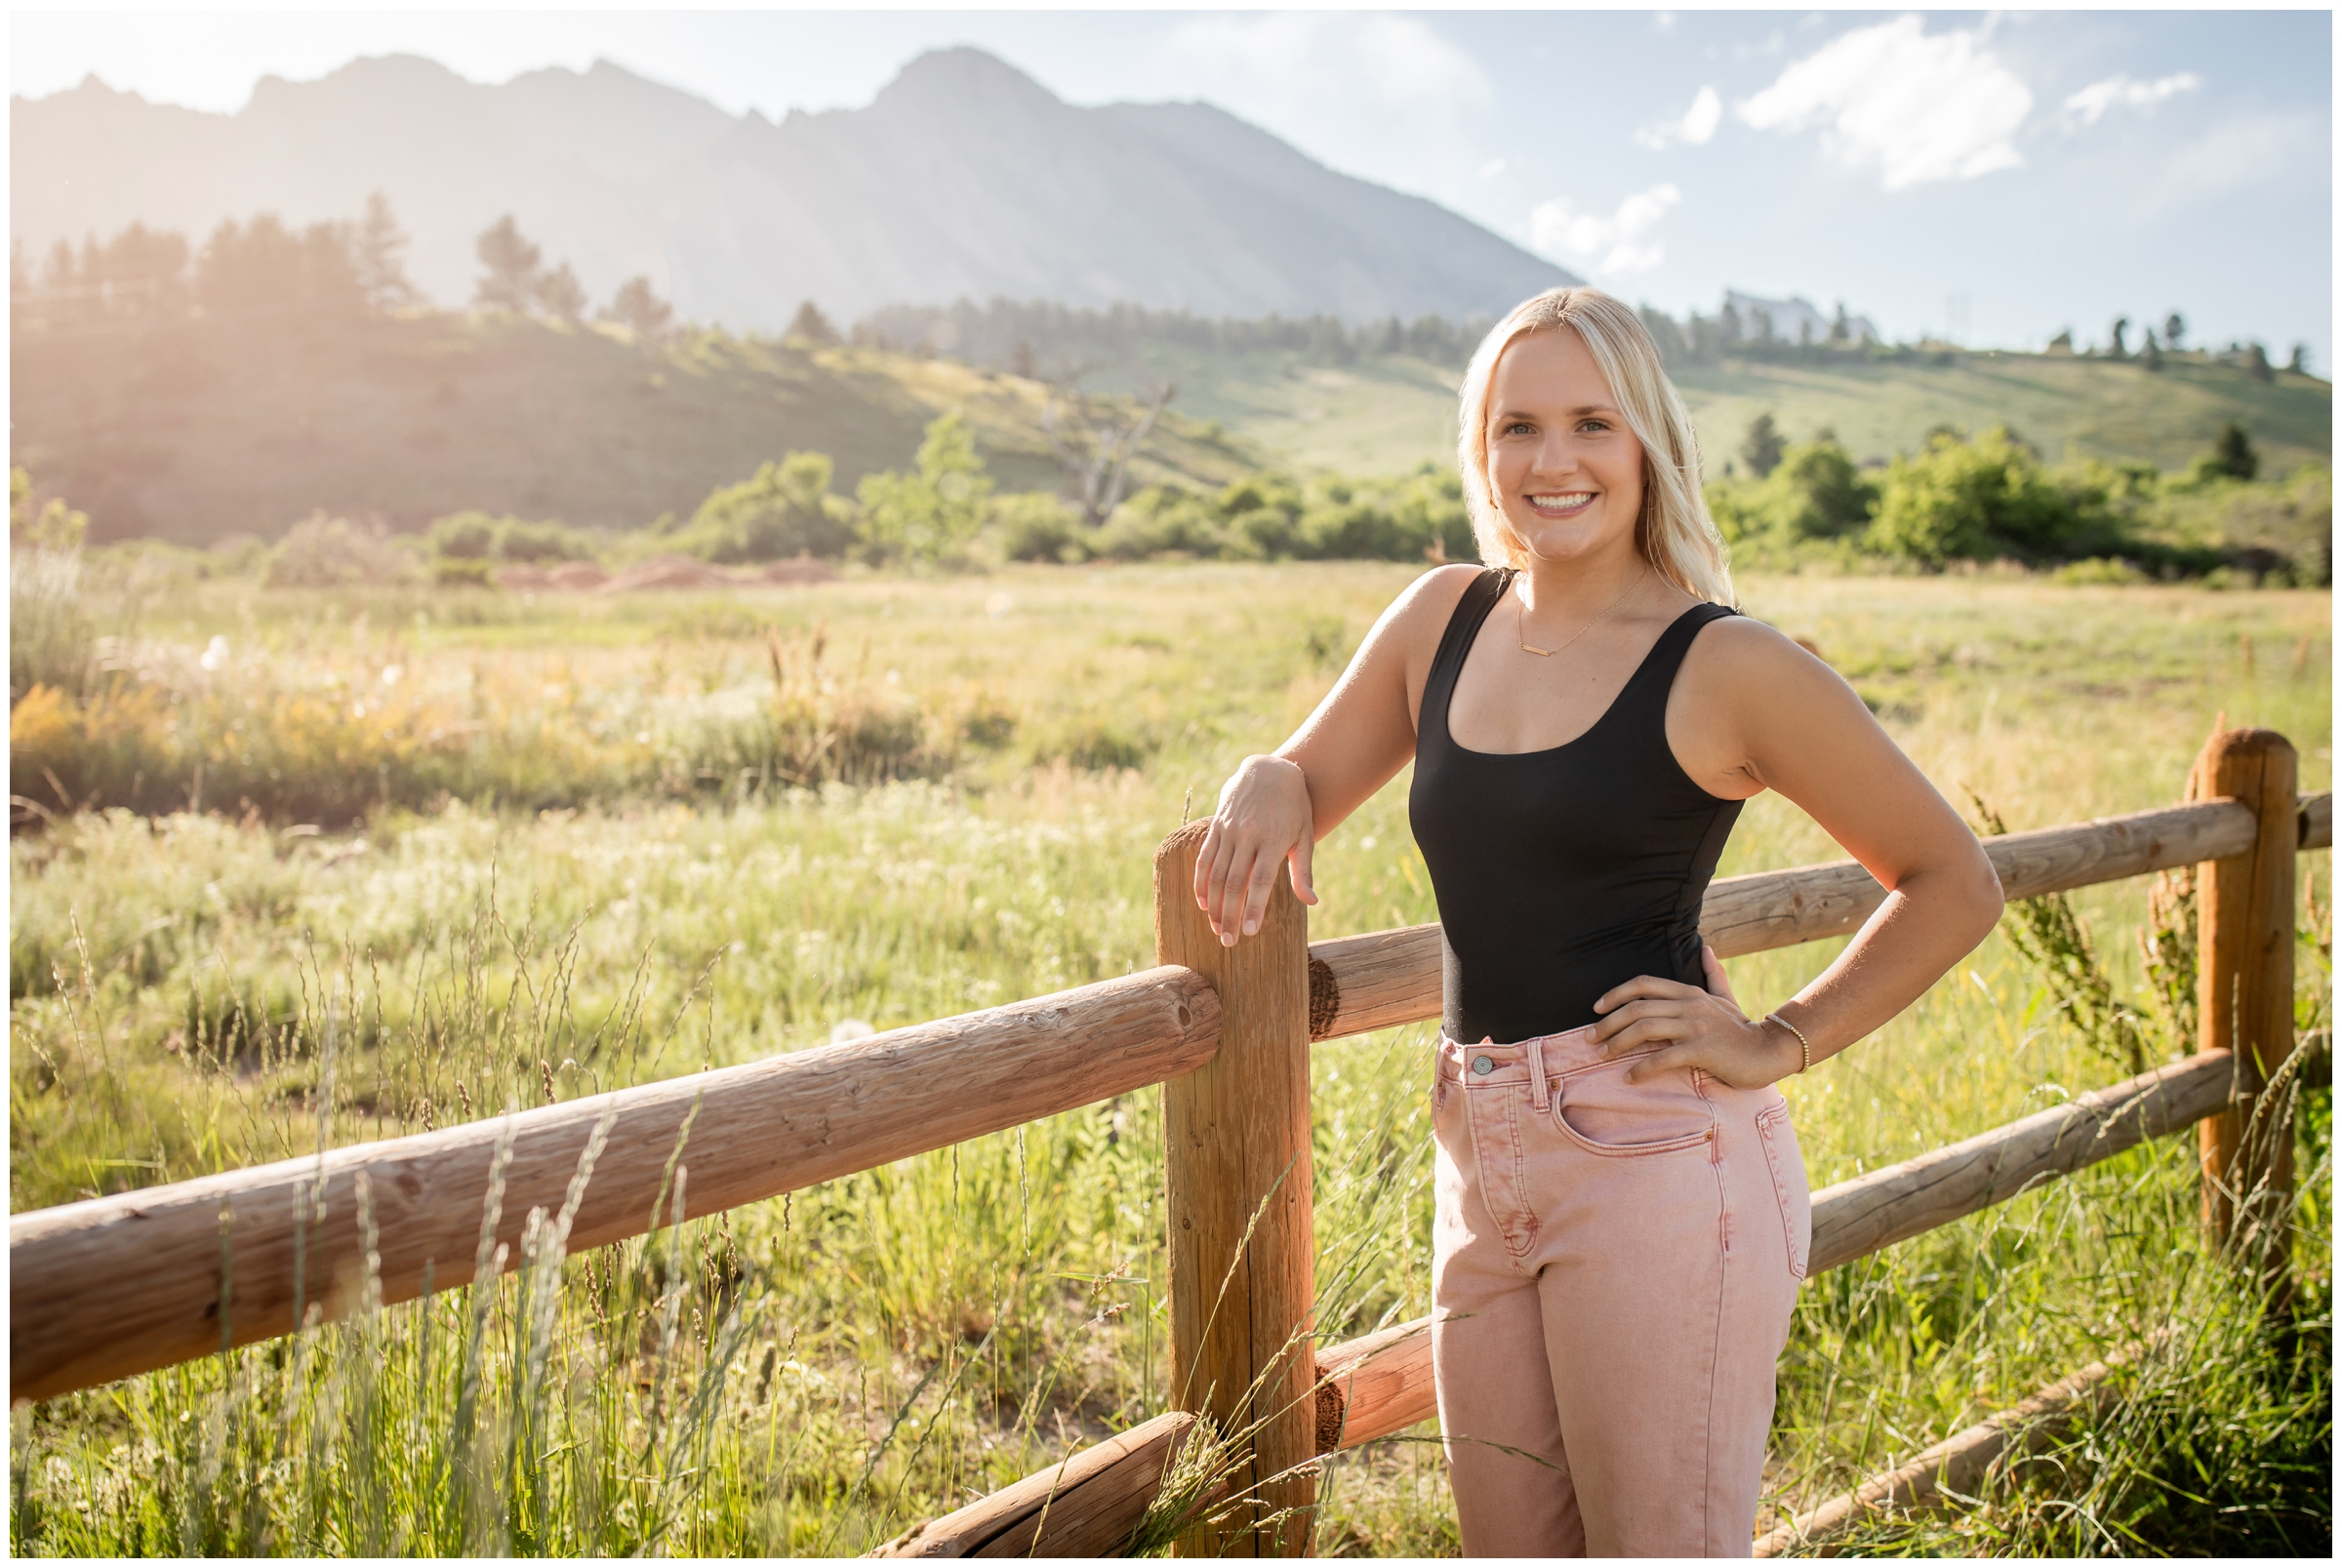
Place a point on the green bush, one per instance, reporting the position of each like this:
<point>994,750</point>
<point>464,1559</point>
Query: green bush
<point>931,516</point>
<point>1987,497</point>
<point>475,536</point>
<point>1035,526</point>
<point>331,552</point>
<point>783,509</point>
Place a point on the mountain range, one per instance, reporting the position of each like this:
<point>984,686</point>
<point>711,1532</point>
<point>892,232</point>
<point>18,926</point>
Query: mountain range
<point>964,179</point>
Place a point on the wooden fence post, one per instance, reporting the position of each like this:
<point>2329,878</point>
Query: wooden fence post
<point>2245,978</point>
<point>1237,1137</point>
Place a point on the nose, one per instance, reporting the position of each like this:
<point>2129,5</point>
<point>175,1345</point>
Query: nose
<point>1555,458</point>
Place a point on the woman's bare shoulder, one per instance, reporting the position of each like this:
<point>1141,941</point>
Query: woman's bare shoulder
<point>1430,602</point>
<point>1752,662</point>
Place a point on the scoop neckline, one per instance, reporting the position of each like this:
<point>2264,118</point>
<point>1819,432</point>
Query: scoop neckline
<point>1447,706</point>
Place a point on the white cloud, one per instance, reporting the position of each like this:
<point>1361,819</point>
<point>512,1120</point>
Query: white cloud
<point>2089,105</point>
<point>1916,108</point>
<point>1492,168</point>
<point>1698,124</point>
<point>1611,244</point>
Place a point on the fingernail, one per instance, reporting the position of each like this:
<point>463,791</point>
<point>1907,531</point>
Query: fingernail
<point>1251,926</point>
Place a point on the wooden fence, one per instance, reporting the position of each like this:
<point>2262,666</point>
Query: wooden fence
<point>114,1286</point>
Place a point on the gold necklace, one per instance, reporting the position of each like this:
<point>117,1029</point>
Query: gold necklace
<point>1520,617</point>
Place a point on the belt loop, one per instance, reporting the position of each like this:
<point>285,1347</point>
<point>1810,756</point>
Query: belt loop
<point>1540,1096</point>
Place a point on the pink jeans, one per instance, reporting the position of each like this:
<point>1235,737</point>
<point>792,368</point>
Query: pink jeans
<point>1613,1268</point>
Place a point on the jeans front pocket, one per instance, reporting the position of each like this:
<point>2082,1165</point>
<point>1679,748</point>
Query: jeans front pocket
<point>1601,1114</point>
<point>1788,1163</point>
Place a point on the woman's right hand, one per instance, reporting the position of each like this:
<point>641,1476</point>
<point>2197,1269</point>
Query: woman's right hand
<point>1264,818</point>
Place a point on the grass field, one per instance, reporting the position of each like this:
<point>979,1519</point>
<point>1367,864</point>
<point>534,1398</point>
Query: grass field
<point>193,992</point>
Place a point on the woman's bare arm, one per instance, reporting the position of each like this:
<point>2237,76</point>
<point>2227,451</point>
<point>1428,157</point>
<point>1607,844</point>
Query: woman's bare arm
<point>1753,712</point>
<point>1275,807</point>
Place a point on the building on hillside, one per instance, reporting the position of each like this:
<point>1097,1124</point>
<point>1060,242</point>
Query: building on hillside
<point>1793,320</point>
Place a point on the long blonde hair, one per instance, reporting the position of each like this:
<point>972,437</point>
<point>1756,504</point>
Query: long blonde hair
<point>1675,532</point>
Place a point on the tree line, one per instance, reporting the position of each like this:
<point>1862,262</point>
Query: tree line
<point>1991,497</point>
<point>265,266</point>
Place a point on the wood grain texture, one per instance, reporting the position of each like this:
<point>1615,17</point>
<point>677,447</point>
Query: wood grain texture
<point>1374,1387</point>
<point>1387,978</point>
<point>1238,1180</point>
<point>1087,1506</point>
<point>1887,1206</point>
<point>2316,817</point>
<point>1960,1462</point>
<point>2245,969</point>
<point>113,1286</point>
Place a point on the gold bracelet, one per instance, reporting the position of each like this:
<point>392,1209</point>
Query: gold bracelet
<point>1804,1047</point>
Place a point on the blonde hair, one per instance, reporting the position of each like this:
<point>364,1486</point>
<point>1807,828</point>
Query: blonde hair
<point>1673,532</point>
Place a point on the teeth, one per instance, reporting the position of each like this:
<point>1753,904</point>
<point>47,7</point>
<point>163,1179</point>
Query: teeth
<point>1563,503</point>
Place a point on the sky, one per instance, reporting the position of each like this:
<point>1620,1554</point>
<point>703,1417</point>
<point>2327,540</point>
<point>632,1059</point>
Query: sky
<point>1993,176</point>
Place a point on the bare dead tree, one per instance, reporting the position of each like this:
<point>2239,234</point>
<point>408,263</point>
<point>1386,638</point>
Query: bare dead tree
<point>1095,440</point>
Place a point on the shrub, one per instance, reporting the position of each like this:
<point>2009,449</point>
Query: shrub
<point>783,509</point>
<point>930,517</point>
<point>1160,520</point>
<point>331,552</point>
<point>1984,498</point>
<point>1037,527</point>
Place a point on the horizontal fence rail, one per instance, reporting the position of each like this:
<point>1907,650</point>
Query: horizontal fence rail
<point>1386,978</point>
<point>113,1286</point>
<point>1381,1385</point>
<point>119,1285</point>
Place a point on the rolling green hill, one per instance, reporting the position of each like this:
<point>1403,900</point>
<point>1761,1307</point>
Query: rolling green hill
<point>198,429</point>
<point>1386,413</point>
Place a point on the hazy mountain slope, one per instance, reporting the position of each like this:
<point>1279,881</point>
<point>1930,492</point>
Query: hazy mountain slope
<point>964,177</point>
<point>198,429</point>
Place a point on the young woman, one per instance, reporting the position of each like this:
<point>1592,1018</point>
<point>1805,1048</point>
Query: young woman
<point>1622,1217</point>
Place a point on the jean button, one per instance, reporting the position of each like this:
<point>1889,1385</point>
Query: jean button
<point>1482,1066</point>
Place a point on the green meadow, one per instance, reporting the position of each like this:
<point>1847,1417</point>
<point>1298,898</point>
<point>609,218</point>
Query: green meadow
<point>449,852</point>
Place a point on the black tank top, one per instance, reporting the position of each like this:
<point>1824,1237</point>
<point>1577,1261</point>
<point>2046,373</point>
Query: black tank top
<point>1562,874</point>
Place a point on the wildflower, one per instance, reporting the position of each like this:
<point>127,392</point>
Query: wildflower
<point>392,672</point>
<point>215,653</point>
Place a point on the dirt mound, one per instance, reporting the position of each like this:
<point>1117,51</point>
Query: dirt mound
<point>804,569</point>
<point>668,572</point>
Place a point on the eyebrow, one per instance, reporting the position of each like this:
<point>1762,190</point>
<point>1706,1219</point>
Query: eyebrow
<point>1581,409</point>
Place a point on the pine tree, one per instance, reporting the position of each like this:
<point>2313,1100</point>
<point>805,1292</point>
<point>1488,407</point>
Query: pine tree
<point>1762,446</point>
<point>812,326</point>
<point>2233,454</point>
<point>513,264</point>
<point>379,249</point>
<point>2175,328</point>
<point>637,307</point>
<point>561,296</point>
<point>2151,354</point>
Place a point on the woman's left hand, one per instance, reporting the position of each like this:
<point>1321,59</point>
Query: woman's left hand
<point>1693,1029</point>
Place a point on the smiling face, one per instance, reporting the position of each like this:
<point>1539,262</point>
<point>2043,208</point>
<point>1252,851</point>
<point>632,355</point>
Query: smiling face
<point>1563,465</point>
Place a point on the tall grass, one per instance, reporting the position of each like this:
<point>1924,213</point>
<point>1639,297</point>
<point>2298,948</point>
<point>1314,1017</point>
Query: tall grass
<point>192,992</point>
